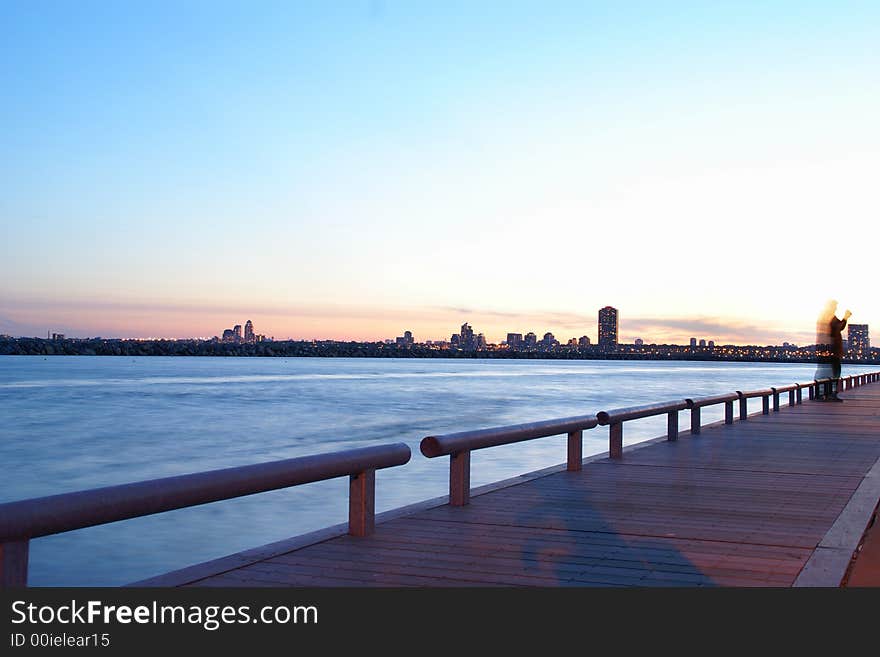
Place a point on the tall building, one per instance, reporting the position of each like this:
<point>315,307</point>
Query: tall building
<point>236,330</point>
<point>514,340</point>
<point>249,332</point>
<point>530,340</point>
<point>584,341</point>
<point>608,329</point>
<point>857,335</point>
<point>468,341</point>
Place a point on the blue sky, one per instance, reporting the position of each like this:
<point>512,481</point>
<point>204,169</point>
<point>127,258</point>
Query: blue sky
<point>357,169</point>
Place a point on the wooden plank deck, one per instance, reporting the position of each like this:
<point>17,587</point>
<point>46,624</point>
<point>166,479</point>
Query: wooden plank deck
<point>777,500</point>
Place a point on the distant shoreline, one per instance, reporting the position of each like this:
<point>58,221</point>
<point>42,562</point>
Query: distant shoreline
<point>335,349</point>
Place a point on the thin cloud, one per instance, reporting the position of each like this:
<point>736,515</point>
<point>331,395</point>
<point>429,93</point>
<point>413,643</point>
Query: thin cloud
<point>536,319</point>
<point>722,330</point>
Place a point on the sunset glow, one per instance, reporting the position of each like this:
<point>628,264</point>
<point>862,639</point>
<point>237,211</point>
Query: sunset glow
<point>353,170</point>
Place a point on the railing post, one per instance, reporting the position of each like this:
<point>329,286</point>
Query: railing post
<point>766,404</point>
<point>728,412</point>
<point>775,400</point>
<point>743,407</point>
<point>362,503</point>
<point>460,478</point>
<point>672,425</point>
<point>799,396</point>
<point>13,564</point>
<point>615,440</point>
<point>812,390</point>
<point>695,420</point>
<point>791,401</point>
<point>575,450</point>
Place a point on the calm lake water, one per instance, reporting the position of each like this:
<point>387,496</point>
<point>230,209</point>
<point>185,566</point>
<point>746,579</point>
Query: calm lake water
<point>70,423</point>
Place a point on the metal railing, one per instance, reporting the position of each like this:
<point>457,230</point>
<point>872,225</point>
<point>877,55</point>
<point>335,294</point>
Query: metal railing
<point>614,420</point>
<point>459,445</point>
<point>23,520</point>
<point>744,398</point>
<point>696,404</point>
<point>791,390</point>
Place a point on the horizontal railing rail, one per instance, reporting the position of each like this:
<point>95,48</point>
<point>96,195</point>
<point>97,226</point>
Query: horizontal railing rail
<point>745,396</point>
<point>790,389</point>
<point>458,446</point>
<point>23,520</point>
<point>615,418</point>
<point>696,404</point>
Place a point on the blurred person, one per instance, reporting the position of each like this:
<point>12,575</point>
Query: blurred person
<point>829,347</point>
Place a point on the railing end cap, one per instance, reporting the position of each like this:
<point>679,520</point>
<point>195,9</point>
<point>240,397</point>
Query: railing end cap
<point>430,447</point>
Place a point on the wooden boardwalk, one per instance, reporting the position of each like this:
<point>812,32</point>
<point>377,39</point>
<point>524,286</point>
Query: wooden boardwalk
<point>777,500</point>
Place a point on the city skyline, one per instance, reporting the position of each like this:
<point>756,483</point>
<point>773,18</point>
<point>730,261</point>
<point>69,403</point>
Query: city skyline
<point>606,331</point>
<point>340,171</point>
